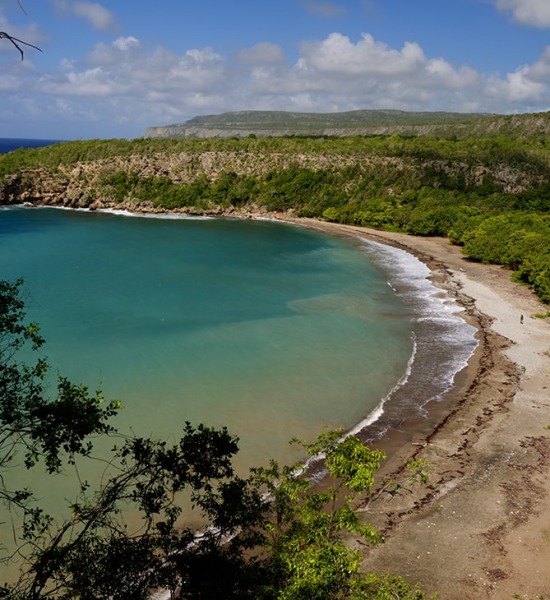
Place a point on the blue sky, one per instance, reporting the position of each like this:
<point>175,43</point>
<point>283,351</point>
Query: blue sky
<point>111,69</point>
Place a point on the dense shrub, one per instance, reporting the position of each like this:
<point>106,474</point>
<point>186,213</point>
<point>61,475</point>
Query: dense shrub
<point>520,241</point>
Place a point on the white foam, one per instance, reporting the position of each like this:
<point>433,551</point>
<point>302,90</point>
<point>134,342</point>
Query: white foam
<point>379,409</point>
<point>119,212</point>
<point>431,308</point>
<point>147,215</point>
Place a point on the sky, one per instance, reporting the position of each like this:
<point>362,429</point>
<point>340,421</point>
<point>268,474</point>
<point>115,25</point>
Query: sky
<point>112,69</point>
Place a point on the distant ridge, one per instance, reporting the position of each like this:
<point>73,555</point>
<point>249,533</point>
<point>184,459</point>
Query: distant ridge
<point>357,122</point>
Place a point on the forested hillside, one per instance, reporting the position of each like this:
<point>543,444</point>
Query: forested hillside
<point>489,194</point>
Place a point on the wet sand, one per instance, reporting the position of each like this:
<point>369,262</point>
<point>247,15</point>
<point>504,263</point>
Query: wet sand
<point>481,527</point>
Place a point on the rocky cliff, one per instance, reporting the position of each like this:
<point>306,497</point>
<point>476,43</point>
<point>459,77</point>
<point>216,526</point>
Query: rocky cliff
<point>279,123</point>
<point>87,184</point>
<point>128,180</point>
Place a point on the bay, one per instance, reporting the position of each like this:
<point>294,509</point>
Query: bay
<point>269,329</point>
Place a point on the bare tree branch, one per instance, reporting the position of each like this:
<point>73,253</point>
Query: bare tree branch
<point>15,41</point>
<point>21,7</point>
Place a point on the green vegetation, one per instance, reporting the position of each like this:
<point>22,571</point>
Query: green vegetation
<point>273,535</point>
<point>488,194</point>
<point>278,123</point>
<point>358,122</point>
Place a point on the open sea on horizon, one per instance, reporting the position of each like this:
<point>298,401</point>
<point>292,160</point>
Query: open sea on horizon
<point>10,144</point>
<point>272,330</point>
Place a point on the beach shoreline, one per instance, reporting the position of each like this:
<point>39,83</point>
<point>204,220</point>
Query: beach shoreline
<point>479,529</point>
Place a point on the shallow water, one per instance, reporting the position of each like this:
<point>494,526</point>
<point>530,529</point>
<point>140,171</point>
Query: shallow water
<point>272,330</point>
<point>443,340</point>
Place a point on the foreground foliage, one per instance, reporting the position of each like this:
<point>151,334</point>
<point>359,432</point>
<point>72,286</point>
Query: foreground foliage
<point>272,535</point>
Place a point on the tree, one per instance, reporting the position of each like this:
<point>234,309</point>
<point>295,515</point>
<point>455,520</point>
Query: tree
<point>42,429</point>
<point>273,535</point>
<point>145,475</point>
<point>18,43</point>
<point>33,427</point>
<point>307,556</point>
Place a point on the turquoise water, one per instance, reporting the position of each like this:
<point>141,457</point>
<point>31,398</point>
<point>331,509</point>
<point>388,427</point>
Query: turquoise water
<point>272,330</point>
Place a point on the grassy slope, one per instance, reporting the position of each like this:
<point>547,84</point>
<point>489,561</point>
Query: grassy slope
<point>274,123</point>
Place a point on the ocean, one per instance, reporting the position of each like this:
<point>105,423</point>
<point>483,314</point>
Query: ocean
<point>10,144</point>
<point>272,330</point>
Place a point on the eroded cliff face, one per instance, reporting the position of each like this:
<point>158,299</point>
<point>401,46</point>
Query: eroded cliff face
<point>85,184</point>
<point>197,132</point>
<point>243,124</point>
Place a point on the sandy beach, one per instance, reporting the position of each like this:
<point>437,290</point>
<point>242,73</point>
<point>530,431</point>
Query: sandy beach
<point>481,527</point>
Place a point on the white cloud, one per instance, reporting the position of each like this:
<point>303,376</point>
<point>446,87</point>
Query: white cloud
<point>442,73</point>
<point>263,53</point>
<point>66,64</point>
<point>522,87</point>
<point>116,52</point>
<point>339,56</point>
<point>370,73</point>
<point>528,12</point>
<point>91,83</point>
<point>94,13</point>
<point>126,43</point>
<point>124,67</point>
<point>126,86</point>
<point>528,84</point>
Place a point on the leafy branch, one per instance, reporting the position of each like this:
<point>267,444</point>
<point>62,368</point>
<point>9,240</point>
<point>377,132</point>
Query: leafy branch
<point>274,535</point>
